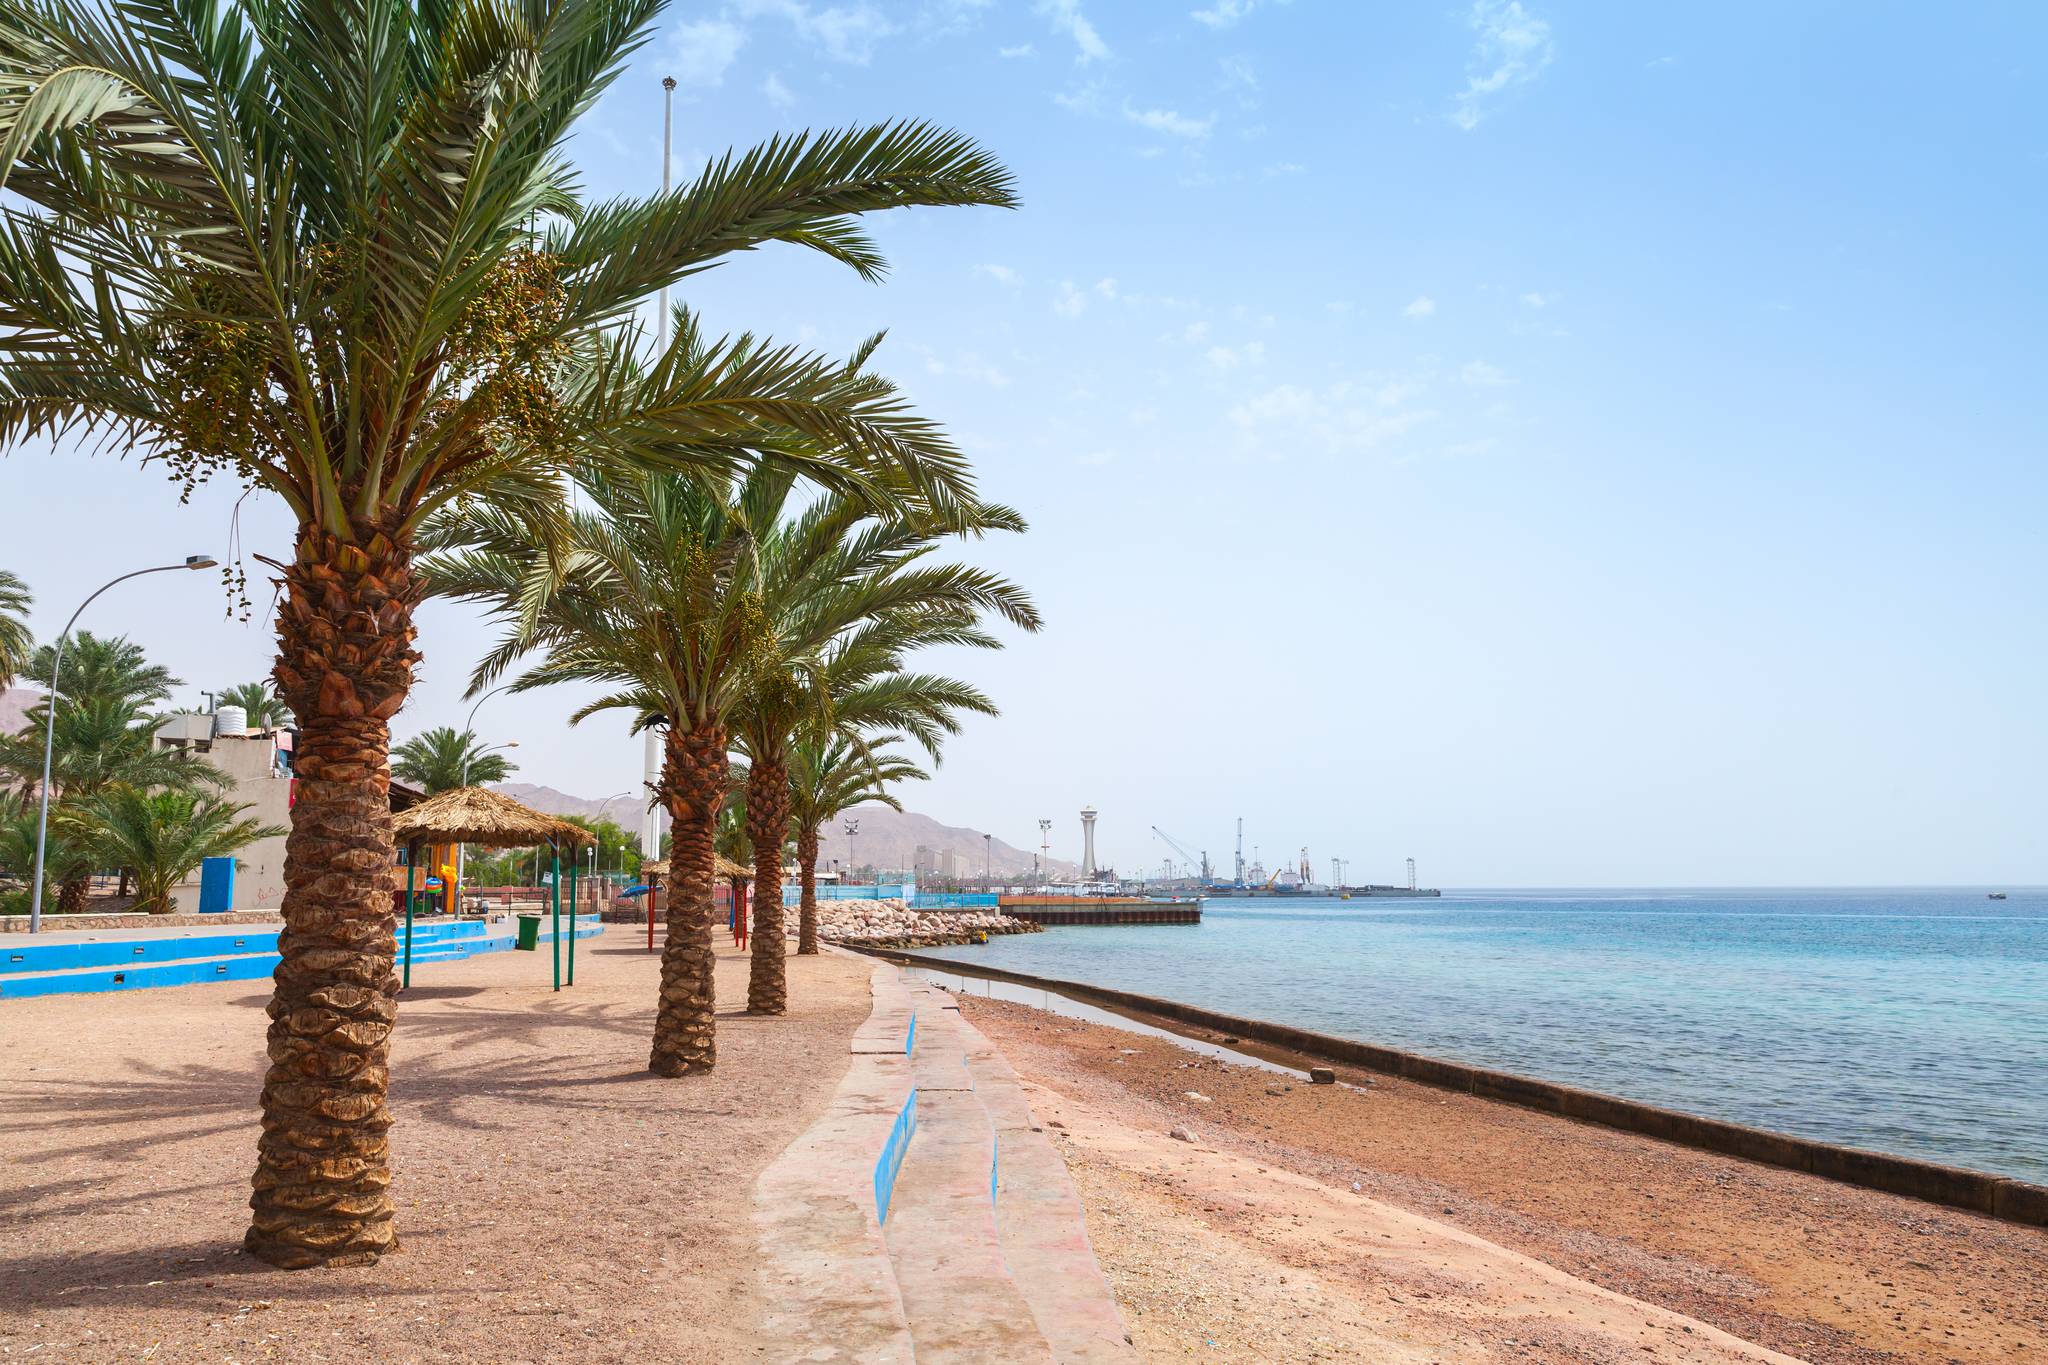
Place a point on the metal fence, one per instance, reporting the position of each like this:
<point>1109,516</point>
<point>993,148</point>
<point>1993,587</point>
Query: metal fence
<point>887,891</point>
<point>956,900</point>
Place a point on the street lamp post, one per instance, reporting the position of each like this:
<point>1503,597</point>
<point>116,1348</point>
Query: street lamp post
<point>852,847</point>
<point>595,820</point>
<point>462,850</point>
<point>35,904</point>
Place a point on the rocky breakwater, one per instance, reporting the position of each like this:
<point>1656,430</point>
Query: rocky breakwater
<point>892,924</point>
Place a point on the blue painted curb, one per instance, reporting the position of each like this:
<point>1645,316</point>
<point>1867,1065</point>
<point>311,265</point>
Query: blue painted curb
<point>891,1159</point>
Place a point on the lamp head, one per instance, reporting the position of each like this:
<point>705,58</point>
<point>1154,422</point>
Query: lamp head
<point>200,561</point>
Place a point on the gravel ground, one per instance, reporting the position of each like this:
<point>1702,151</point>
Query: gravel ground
<point>1803,1266</point>
<point>556,1202</point>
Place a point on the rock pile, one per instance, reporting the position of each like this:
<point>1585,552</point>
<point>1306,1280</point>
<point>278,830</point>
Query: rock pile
<point>892,924</point>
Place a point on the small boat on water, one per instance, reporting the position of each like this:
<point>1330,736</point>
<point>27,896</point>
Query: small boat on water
<point>1996,896</point>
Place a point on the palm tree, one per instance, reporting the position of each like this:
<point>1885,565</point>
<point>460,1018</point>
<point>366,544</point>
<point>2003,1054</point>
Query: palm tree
<point>440,760</point>
<point>68,848</point>
<point>15,639</point>
<point>114,670</point>
<point>335,249</point>
<point>834,573</point>
<point>259,701</point>
<point>98,741</point>
<point>831,771</point>
<point>649,596</point>
<point>164,836</point>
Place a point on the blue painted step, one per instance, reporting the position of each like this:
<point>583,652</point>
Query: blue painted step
<point>468,941</point>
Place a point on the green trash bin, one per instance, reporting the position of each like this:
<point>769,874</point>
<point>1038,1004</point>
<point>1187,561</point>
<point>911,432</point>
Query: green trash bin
<point>529,933</point>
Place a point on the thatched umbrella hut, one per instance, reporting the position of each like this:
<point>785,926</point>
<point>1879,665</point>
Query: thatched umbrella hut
<point>655,870</point>
<point>475,815</point>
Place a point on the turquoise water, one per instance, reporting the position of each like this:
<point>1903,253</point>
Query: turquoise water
<point>1912,1021</point>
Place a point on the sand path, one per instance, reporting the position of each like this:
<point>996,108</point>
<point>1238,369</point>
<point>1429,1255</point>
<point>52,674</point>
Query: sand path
<point>556,1202</point>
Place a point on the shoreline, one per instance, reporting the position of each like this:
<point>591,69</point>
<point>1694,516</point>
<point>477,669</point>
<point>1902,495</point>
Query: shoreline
<point>2006,1198</point>
<point>1785,1260</point>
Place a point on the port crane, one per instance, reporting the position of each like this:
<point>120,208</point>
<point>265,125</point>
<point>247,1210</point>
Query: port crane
<point>1192,859</point>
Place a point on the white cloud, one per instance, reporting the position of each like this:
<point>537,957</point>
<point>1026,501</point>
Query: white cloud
<point>1238,74</point>
<point>1285,168</point>
<point>704,51</point>
<point>848,33</point>
<point>1106,287</point>
<point>1534,300</point>
<point>778,94</point>
<point>1291,417</point>
<point>1066,18</point>
<point>1168,121</point>
<point>1071,302</point>
<point>1194,332</point>
<point>1513,48</point>
<point>1021,50</point>
<point>968,366</point>
<point>1001,274</point>
<point>1338,306</point>
<point>1481,375</point>
<point>1080,98</point>
<point>1222,13</point>
<point>1423,306</point>
<point>1229,358</point>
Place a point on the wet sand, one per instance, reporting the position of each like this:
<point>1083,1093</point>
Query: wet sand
<point>556,1202</point>
<point>1795,1264</point>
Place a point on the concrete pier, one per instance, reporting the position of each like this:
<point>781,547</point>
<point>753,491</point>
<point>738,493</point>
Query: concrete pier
<point>1100,910</point>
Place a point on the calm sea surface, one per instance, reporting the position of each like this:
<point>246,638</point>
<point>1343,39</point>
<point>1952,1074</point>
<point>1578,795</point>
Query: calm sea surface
<point>1912,1021</point>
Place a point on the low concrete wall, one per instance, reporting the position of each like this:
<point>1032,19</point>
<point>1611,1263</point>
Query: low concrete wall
<point>2014,1201</point>
<point>18,924</point>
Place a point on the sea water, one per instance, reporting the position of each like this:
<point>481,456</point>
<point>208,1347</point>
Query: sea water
<point>1907,1021</point>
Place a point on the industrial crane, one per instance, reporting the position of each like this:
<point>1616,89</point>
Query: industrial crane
<point>1191,858</point>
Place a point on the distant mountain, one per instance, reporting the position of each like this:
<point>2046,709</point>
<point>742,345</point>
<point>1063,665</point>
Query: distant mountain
<point>887,838</point>
<point>548,801</point>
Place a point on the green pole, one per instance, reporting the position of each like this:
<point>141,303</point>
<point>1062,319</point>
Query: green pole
<point>555,889</point>
<point>412,857</point>
<point>572,914</point>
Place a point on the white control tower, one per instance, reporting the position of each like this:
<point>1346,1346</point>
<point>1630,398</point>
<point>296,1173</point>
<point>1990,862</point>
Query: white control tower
<point>1087,843</point>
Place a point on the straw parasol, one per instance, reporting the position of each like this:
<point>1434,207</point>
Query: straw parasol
<point>726,868</point>
<point>473,815</point>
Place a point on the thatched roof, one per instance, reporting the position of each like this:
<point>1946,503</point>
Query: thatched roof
<point>473,815</point>
<point>726,868</point>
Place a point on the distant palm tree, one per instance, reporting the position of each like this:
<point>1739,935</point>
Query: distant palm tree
<point>833,573</point>
<point>164,837</point>
<point>105,669</point>
<point>100,739</point>
<point>16,643</point>
<point>440,760</point>
<point>831,771</point>
<point>258,701</point>
<point>337,249</point>
<point>68,849</point>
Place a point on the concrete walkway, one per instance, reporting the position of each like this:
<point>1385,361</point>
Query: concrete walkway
<point>984,1254</point>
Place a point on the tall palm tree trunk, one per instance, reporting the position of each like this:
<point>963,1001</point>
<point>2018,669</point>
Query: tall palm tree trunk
<point>345,661</point>
<point>693,780</point>
<point>767,824</point>
<point>807,875</point>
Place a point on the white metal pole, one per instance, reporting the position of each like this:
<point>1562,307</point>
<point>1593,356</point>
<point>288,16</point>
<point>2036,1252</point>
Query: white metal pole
<point>650,752</point>
<point>35,903</point>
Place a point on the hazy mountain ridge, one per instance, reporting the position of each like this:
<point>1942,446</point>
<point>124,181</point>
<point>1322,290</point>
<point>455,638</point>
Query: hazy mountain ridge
<point>887,838</point>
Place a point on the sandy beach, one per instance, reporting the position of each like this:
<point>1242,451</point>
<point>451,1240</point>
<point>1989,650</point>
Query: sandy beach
<point>1255,1240</point>
<point>556,1202</point>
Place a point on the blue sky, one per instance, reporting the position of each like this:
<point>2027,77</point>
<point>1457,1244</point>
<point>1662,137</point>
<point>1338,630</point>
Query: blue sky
<point>1567,443</point>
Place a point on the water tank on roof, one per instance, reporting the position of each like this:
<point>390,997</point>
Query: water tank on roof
<point>230,720</point>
